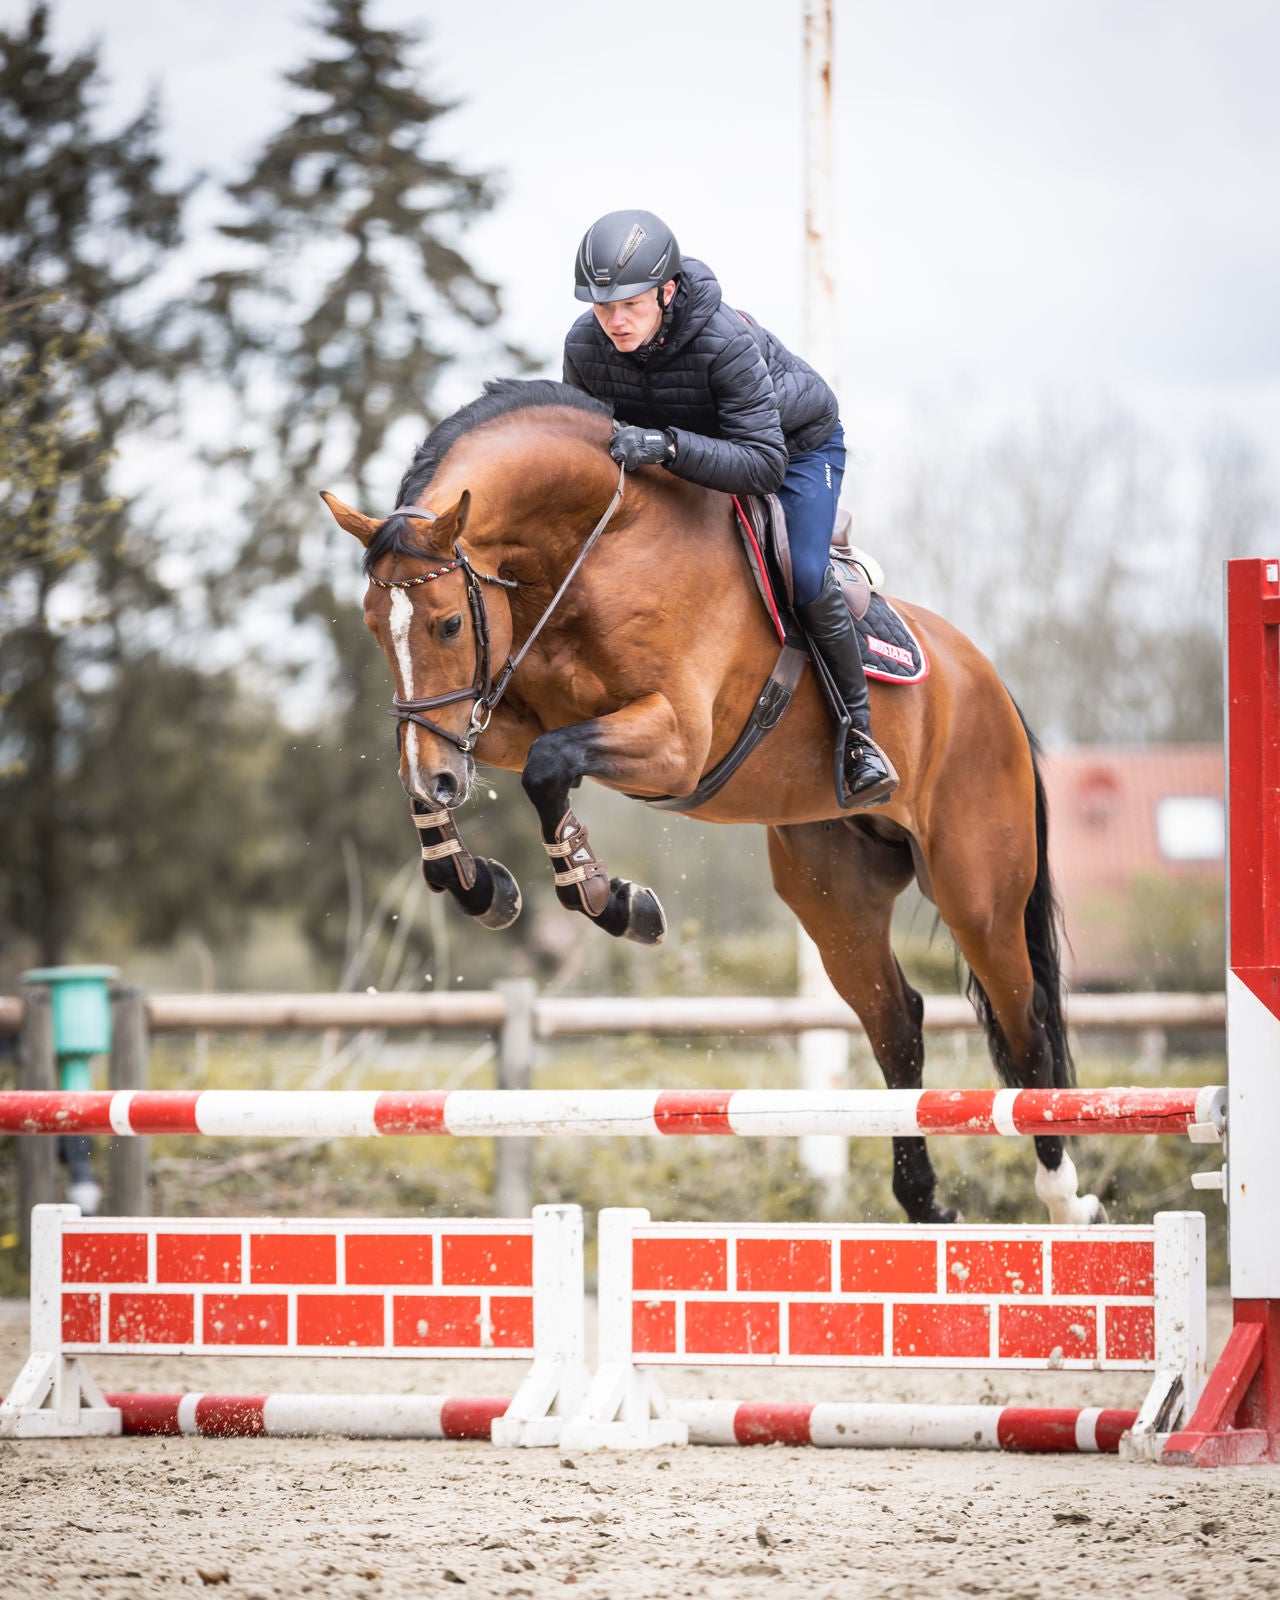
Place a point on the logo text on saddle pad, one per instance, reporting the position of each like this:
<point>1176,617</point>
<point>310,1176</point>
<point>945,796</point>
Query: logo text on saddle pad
<point>892,651</point>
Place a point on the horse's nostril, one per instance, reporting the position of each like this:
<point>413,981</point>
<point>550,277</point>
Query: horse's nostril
<point>444,788</point>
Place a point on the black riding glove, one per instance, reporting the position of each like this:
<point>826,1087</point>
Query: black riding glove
<point>642,447</point>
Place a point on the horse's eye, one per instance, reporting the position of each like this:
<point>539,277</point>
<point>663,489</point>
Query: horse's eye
<point>451,628</point>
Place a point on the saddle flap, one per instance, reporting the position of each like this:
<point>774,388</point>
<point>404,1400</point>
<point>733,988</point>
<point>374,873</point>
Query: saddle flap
<point>854,584</point>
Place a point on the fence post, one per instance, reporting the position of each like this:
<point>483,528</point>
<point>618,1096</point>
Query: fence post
<point>128,1160</point>
<point>513,1158</point>
<point>38,1180</point>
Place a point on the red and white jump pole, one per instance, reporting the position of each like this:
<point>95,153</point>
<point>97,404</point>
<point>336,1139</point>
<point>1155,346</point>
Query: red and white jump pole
<point>516,1113</point>
<point>1238,1418</point>
<point>830,1425</point>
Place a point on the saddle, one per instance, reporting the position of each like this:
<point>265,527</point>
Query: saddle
<point>891,653</point>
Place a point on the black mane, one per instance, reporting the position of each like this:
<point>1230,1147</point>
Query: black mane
<point>501,397</point>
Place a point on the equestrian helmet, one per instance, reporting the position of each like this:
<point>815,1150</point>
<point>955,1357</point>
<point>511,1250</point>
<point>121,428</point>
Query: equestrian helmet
<point>624,254</point>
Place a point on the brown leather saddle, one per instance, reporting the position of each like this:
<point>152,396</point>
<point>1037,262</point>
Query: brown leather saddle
<point>763,525</point>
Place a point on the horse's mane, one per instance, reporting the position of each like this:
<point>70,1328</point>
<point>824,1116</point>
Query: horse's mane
<point>501,397</point>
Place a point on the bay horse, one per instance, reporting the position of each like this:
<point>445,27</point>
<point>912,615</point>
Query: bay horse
<point>638,667</point>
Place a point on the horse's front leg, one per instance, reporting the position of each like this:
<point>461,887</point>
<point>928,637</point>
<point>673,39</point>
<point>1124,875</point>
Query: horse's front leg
<point>638,747</point>
<point>483,888</point>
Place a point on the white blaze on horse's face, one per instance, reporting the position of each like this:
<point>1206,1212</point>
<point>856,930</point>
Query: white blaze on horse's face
<point>401,623</point>
<point>431,769</point>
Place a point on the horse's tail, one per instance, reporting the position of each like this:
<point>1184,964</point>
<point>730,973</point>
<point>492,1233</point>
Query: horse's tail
<point>1042,924</point>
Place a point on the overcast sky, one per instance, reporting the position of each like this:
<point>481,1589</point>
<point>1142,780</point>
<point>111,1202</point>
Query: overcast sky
<point>1036,196</point>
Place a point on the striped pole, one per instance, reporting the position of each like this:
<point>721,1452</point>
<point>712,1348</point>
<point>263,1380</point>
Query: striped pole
<point>351,1416</point>
<point>715,1422</point>
<point>285,1114</point>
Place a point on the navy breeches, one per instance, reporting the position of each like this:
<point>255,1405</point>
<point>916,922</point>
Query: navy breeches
<point>810,494</point>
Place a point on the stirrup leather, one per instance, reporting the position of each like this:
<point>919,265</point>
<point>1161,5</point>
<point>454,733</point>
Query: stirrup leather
<point>587,871</point>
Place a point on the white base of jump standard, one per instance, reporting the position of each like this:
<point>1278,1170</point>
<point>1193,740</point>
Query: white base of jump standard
<point>819,1295</point>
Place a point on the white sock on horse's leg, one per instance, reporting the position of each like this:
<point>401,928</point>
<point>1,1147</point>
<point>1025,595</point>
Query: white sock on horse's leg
<point>1058,1187</point>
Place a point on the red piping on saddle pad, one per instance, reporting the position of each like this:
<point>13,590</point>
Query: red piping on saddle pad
<point>760,567</point>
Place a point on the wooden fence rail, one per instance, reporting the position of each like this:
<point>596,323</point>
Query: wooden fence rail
<point>557,1017</point>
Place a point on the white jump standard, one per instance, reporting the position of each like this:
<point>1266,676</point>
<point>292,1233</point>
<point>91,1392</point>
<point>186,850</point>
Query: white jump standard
<point>433,1287</point>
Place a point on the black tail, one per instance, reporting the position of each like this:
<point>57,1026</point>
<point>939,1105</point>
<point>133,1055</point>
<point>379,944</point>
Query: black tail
<point>1042,923</point>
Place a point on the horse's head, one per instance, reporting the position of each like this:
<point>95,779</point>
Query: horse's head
<point>434,615</point>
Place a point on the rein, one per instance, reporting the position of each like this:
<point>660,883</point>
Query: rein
<point>485,690</point>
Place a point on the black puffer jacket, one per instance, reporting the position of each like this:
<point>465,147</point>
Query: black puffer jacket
<point>738,403</point>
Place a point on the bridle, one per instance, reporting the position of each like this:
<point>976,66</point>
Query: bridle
<point>485,690</point>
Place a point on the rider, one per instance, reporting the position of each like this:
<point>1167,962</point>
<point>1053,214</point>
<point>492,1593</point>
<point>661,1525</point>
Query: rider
<point>715,398</point>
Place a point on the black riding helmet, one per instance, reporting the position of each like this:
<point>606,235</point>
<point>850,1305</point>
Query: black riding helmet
<point>624,254</point>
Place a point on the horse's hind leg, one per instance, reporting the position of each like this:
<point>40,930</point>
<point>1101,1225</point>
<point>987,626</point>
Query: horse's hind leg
<point>841,882</point>
<point>1004,925</point>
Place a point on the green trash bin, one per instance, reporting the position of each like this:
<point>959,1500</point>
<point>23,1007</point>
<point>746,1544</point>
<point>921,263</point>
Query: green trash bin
<point>81,1001</point>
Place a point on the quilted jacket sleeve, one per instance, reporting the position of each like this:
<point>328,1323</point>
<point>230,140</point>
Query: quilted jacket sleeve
<point>751,455</point>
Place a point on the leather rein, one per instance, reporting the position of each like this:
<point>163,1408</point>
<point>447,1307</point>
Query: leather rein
<point>485,690</point>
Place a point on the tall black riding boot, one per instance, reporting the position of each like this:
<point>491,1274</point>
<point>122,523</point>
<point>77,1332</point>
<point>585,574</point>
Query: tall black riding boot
<point>869,773</point>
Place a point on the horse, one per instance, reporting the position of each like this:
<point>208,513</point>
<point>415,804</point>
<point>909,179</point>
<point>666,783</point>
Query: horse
<point>634,645</point>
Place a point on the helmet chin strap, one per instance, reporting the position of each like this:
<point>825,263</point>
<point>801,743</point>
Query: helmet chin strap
<point>664,308</point>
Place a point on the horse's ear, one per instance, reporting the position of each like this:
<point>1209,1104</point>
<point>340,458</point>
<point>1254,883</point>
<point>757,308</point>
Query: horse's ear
<point>450,523</point>
<point>354,522</point>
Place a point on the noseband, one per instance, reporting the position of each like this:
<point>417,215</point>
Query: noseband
<point>485,690</point>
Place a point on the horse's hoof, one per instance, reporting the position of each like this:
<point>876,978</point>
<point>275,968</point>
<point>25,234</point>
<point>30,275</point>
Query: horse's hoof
<point>504,907</point>
<point>1094,1212</point>
<point>944,1216</point>
<point>646,922</point>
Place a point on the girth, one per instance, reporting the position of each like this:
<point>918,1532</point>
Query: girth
<point>773,700</point>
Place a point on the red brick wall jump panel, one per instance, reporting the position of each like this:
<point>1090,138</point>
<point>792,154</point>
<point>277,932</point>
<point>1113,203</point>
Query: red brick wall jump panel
<point>1034,1333</point>
<point>994,1266</point>
<point>731,1327</point>
<point>1130,1332</point>
<point>696,1264</point>
<point>836,1329</point>
<point>151,1319</point>
<point>390,1259</point>
<point>487,1260</point>
<point>941,1332</point>
<point>782,1266</point>
<point>198,1257</point>
<point>104,1257</point>
<point>653,1327</point>
<point>82,1318</point>
<point>1122,1268</point>
<point>436,1321</point>
<point>246,1319</point>
<point>888,1266</point>
<point>293,1258</point>
<point>511,1321</point>
<point>343,1320</point>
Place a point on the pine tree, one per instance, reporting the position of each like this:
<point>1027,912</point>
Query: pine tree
<point>349,298</point>
<point>352,295</point>
<point>84,223</point>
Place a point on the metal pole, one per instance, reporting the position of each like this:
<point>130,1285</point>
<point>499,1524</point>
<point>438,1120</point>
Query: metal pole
<point>821,333</point>
<point>38,1180</point>
<point>128,1160</point>
<point>513,1158</point>
<point>824,1054</point>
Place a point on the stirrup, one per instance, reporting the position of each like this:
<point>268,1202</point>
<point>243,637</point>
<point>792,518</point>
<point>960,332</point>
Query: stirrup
<point>875,794</point>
